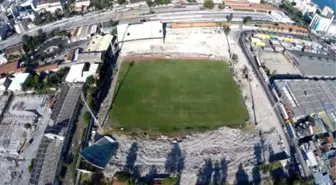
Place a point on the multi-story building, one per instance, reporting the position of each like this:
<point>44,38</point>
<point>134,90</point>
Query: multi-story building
<point>332,28</point>
<point>322,21</point>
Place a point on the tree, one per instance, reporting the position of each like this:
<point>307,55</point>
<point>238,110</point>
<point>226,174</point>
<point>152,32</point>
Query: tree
<point>90,80</point>
<point>227,30</point>
<point>114,31</point>
<point>101,4</point>
<point>229,17</point>
<point>221,6</point>
<point>234,57</point>
<point>170,181</point>
<point>27,126</point>
<point>30,168</point>
<point>209,4</point>
<point>290,29</point>
<point>120,2</point>
<point>247,19</point>
<point>86,118</point>
<point>150,3</point>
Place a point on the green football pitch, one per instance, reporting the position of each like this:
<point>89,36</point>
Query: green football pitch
<point>169,96</point>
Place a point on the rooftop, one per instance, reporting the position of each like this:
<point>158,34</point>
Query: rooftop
<point>80,72</point>
<point>49,152</point>
<point>278,63</point>
<point>306,97</point>
<point>17,81</point>
<point>312,64</point>
<point>94,57</point>
<point>59,126</point>
<point>99,43</point>
<point>100,153</point>
<point>46,160</point>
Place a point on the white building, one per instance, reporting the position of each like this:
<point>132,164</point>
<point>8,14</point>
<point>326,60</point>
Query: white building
<point>99,43</point>
<point>83,32</point>
<point>49,5</point>
<point>141,31</point>
<point>320,23</point>
<point>81,4</point>
<point>328,12</point>
<point>281,17</point>
<point>80,72</point>
<point>305,7</point>
<point>17,81</point>
<point>332,28</point>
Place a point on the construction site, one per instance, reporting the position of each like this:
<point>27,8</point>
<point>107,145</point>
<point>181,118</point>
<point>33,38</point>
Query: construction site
<point>23,121</point>
<point>233,154</point>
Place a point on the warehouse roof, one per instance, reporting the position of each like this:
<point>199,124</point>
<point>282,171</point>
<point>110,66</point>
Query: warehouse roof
<point>306,97</point>
<point>312,64</point>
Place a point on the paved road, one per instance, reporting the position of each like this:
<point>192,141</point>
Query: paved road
<point>294,142</point>
<point>127,15</point>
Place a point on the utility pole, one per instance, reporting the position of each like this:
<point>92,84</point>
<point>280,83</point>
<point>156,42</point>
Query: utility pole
<point>89,109</point>
<point>276,104</point>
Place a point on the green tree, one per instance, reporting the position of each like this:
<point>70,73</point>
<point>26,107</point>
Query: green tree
<point>227,30</point>
<point>221,6</point>
<point>150,3</point>
<point>27,126</point>
<point>169,181</point>
<point>247,19</point>
<point>229,17</point>
<point>101,4</point>
<point>209,4</point>
<point>90,80</point>
<point>234,57</point>
<point>86,118</point>
<point>114,31</point>
<point>120,2</point>
<point>30,168</point>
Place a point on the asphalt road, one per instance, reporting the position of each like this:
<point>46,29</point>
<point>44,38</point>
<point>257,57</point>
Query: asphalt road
<point>128,15</point>
<point>294,142</point>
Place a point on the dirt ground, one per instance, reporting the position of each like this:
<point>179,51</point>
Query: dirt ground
<point>219,156</point>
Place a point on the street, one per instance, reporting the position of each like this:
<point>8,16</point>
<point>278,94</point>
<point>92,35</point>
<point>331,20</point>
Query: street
<point>272,100</point>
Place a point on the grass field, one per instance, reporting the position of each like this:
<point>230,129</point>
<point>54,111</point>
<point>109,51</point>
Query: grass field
<point>176,96</point>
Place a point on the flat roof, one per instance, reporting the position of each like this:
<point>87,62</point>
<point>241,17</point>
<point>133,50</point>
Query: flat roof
<point>94,57</point>
<point>77,73</point>
<point>99,43</point>
<point>312,64</point>
<point>277,62</point>
<point>17,81</point>
<point>306,97</point>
